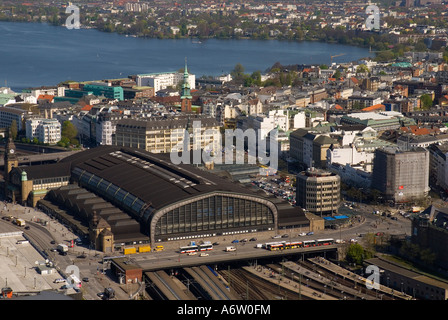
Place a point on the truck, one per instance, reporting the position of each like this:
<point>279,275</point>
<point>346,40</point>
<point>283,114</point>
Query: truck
<point>20,222</point>
<point>229,249</point>
<point>62,248</point>
<point>129,250</point>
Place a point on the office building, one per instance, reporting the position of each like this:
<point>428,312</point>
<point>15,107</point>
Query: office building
<point>163,80</point>
<point>318,191</point>
<point>167,135</point>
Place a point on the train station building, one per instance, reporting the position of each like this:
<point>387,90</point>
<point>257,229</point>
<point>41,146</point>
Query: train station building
<point>120,196</point>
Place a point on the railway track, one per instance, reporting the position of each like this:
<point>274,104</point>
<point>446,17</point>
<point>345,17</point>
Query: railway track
<point>251,287</point>
<point>327,291</point>
<point>345,282</point>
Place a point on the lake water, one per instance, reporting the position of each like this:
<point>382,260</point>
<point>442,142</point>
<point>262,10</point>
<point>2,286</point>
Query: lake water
<point>35,54</point>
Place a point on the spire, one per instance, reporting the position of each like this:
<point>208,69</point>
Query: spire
<point>185,69</point>
<point>186,85</point>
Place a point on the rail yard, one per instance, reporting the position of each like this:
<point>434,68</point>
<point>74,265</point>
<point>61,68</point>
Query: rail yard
<point>312,278</point>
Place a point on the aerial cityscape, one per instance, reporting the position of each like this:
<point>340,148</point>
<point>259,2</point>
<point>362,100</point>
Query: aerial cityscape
<point>243,151</point>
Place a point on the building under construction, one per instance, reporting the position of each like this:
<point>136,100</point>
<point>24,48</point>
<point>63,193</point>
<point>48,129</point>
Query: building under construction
<point>401,176</point>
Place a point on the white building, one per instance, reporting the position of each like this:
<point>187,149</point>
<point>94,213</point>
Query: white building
<point>45,130</point>
<point>106,124</point>
<point>163,80</point>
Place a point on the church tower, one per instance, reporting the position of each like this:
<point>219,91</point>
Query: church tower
<point>186,95</point>
<point>11,159</point>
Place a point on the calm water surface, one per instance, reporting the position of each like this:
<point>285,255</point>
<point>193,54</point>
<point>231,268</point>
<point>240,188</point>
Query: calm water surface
<point>35,54</point>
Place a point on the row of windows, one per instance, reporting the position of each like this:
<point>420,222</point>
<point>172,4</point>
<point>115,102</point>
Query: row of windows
<point>50,180</point>
<point>213,213</point>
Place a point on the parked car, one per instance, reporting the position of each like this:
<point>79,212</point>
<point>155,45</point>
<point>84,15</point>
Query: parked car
<point>59,280</point>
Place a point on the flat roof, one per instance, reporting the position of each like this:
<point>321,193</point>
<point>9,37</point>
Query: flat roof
<point>405,272</point>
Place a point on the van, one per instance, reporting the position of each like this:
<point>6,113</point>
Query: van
<point>59,280</point>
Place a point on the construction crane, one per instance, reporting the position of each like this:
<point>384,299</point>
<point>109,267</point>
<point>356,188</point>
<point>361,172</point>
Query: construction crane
<point>338,55</point>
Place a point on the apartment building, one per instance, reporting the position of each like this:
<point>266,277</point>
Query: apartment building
<point>44,130</point>
<point>105,125</point>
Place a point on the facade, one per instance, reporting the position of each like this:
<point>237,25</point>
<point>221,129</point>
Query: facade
<point>309,146</point>
<point>438,167</point>
<point>318,191</point>
<point>167,135</point>
<point>409,141</point>
<point>10,114</point>
<point>106,124</point>
<point>378,121</point>
<point>401,176</point>
<point>44,130</point>
<point>363,101</point>
<point>160,81</point>
<point>104,90</point>
<point>27,185</point>
<point>430,231</point>
<point>138,92</point>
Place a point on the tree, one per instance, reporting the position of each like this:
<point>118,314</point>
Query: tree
<point>362,68</point>
<point>425,101</point>
<point>13,129</point>
<point>337,74</point>
<point>238,72</point>
<point>69,131</point>
<point>64,142</point>
<point>355,253</point>
<point>420,46</point>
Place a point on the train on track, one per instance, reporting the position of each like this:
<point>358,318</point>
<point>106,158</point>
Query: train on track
<point>282,245</point>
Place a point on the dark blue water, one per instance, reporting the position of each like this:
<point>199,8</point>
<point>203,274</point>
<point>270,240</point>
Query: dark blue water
<point>34,54</point>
